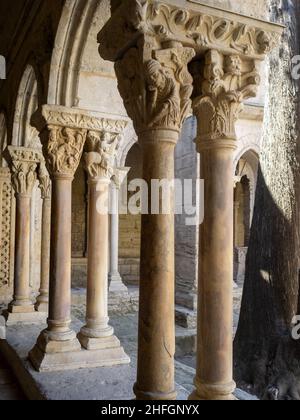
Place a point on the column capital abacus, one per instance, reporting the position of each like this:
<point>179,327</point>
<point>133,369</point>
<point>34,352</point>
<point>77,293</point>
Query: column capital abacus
<point>225,83</point>
<point>24,163</point>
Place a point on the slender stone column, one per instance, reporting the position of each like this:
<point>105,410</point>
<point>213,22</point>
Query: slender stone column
<point>224,88</point>
<point>97,334</point>
<point>24,165</point>
<point>63,133</point>
<point>116,284</point>
<point>45,186</point>
<point>158,110</point>
<point>63,148</point>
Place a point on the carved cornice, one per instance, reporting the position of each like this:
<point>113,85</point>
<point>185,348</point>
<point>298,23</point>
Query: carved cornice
<point>75,118</point>
<point>196,25</point>
<point>24,164</point>
<point>101,153</point>
<point>64,132</point>
<point>156,86</point>
<point>227,82</point>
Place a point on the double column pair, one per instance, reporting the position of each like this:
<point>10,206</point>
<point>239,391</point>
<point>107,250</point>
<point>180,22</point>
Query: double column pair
<point>27,166</point>
<point>64,134</point>
<point>156,86</point>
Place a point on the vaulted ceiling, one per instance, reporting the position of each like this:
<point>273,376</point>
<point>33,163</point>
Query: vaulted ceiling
<point>13,14</point>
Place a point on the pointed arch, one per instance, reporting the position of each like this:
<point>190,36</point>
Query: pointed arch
<point>26,104</point>
<point>70,40</point>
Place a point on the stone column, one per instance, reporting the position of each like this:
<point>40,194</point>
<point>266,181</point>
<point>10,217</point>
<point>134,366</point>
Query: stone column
<point>24,164</point>
<point>45,186</point>
<point>63,133</point>
<point>97,334</point>
<point>6,235</point>
<point>116,284</point>
<point>227,82</point>
<point>156,88</point>
<point>63,143</point>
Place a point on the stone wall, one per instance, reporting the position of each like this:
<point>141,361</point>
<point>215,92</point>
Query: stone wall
<point>79,214</point>
<point>255,8</point>
<point>186,237</point>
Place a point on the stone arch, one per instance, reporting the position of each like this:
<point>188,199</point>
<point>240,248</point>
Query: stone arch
<point>79,77</point>
<point>26,104</point>
<point>69,44</point>
<point>129,139</point>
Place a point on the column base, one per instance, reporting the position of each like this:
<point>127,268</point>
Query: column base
<point>154,396</point>
<point>52,354</point>
<point>116,284</point>
<point>26,318</point>
<point>220,392</point>
<point>91,343</point>
<point>42,307</point>
<point>68,355</point>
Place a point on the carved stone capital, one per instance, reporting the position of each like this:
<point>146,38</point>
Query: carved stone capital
<point>101,152</point>
<point>44,181</point>
<point>24,164</point>
<point>156,86</point>
<point>64,132</point>
<point>224,84</point>
<point>194,24</point>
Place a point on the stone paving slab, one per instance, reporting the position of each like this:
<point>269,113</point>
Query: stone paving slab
<point>113,383</point>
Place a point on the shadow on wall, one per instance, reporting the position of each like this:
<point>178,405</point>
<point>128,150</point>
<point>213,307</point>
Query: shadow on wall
<point>264,350</point>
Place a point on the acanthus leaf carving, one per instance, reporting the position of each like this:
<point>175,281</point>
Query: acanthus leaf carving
<point>101,153</point>
<point>224,88</point>
<point>156,91</point>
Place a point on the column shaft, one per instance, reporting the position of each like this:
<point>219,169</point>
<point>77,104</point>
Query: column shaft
<point>22,301</point>
<point>60,258</point>
<point>215,321</point>
<point>43,298</point>
<point>116,284</point>
<point>156,343</point>
<point>97,287</point>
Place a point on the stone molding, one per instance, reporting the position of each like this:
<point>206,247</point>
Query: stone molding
<point>196,25</point>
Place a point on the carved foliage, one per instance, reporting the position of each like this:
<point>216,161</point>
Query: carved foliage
<point>210,31</point>
<point>156,92</point>
<point>101,153</point>
<point>194,28</point>
<point>224,88</point>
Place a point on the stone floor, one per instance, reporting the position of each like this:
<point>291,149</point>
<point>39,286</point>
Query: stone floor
<point>126,328</point>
